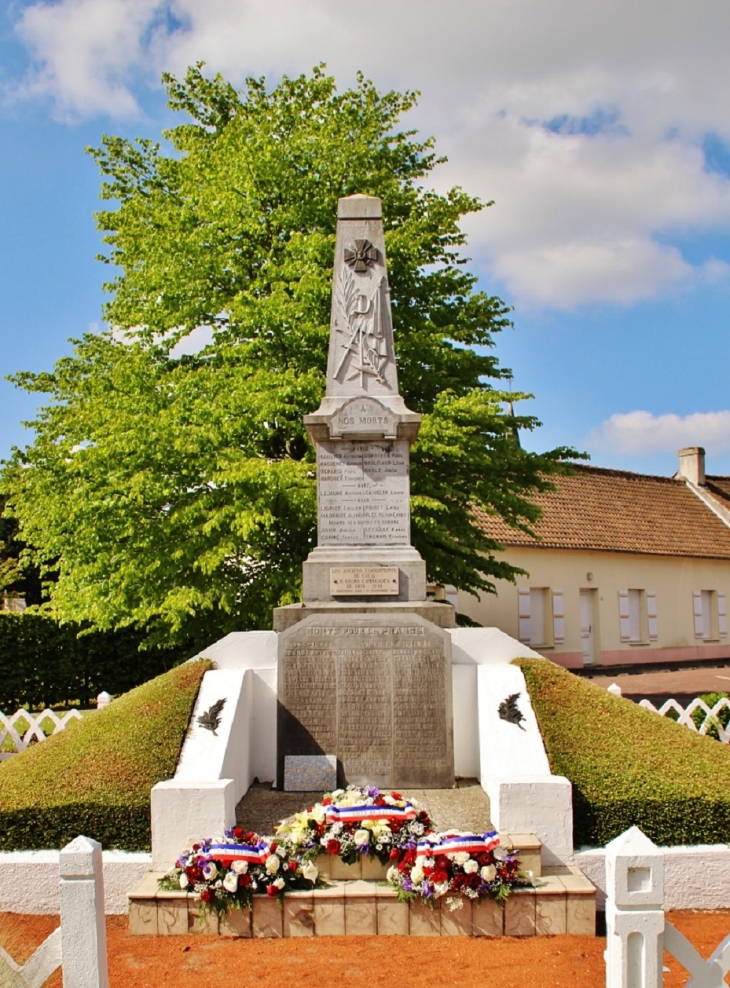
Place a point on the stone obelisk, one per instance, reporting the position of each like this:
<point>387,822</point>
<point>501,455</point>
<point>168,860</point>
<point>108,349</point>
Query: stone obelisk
<point>364,662</point>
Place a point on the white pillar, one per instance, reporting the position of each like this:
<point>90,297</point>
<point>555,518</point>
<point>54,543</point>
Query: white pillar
<point>83,927</point>
<point>103,700</point>
<point>634,912</point>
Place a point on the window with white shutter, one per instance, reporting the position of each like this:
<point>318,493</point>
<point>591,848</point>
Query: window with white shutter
<point>623,615</point>
<point>632,615</point>
<point>707,615</point>
<point>651,616</point>
<point>558,617</point>
<point>523,611</point>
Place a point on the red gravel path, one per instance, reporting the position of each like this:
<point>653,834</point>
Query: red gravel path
<point>364,962</point>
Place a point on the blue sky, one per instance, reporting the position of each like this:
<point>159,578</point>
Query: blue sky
<point>601,130</point>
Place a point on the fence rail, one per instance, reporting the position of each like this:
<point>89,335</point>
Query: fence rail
<point>13,730</point>
<point>637,932</point>
<point>684,715</point>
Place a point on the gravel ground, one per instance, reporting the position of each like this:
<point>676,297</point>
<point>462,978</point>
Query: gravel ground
<point>464,808</point>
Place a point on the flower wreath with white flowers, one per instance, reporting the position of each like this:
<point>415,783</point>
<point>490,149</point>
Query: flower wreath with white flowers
<point>353,822</point>
<point>229,871</point>
<point>458,865</point>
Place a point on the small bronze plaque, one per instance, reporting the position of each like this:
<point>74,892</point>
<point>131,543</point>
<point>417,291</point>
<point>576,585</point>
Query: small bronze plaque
<point>358,581</point>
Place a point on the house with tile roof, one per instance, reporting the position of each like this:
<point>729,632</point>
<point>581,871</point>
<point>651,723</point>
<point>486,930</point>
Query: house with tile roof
<point>628,569</point>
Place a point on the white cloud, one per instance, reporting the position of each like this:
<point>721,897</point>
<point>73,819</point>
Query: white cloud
<point>641,432</point>
<point>587,207</point>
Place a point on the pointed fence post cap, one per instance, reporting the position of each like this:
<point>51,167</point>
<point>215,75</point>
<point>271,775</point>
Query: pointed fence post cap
<point>630,843</point>
<point>80,859</point>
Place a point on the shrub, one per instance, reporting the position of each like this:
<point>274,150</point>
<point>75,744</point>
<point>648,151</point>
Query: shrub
<point>722,717</point>
<point>42,662</point>
<point>94,778</point>
<point>627,765</point>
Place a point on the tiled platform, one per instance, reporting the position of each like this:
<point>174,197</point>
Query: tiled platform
<point>355,904</point>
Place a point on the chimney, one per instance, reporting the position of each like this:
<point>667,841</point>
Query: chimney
<point>692,465</point>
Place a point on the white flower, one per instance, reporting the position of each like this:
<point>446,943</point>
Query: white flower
<point>318,813</point>
<point>279,883</point>
<point>336,793</point>
<point>281,851</point>
<point>471,866</point>
<point>488,873</point>
<point>417,828</point>
<point>417,875</point>
<point>272,864</point>
<point>460,858</point>
<point>240,867</point>
<point>361,837</point>
<point>296,837</point>
<point>439,890</point>
<point>310,871</point>
<point>230,882</point>
<point>184,881</point>
<point>209,871</point>
<point>454,903</point>
<point>337,827</point>
<point>390,801</point>
<point>392,874</point>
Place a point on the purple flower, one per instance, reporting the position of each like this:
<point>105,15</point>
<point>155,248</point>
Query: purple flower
<point>407,884</point>
<point>427,889</point>
<point>373,792</point>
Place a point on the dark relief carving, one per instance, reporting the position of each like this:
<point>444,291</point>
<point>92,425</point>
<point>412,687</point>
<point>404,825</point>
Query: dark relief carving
<point>361,255</point>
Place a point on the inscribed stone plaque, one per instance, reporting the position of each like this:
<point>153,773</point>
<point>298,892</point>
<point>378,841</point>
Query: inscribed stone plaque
<point>363,493</point>
<point>375,689</point>
<point>358,581</point>
<point>310,773</point>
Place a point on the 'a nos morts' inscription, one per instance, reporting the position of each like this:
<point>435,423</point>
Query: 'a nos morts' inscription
<point>375,690</point>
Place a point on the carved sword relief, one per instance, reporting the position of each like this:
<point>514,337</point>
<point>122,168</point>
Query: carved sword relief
<point>365,346</point>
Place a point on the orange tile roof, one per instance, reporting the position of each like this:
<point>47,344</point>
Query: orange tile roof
<point>617,511</point>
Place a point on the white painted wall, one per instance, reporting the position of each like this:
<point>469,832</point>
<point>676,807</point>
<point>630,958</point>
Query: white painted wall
<point>466,721</point>
<point>243,650</point>
<point>29,880</point>
<point>695,877</point>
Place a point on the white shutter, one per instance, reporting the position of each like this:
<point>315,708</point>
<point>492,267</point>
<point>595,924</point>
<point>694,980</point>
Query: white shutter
<point>623,615</point>
<point>558,617</point>
<point>697,613</point>
<point>523,611</point>
<point>651,616</point>
<point>721,615</point>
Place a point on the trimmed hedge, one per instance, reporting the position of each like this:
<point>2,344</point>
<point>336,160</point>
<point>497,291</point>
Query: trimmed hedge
<point>94,778</point>
<point>42,662</point>
<point>627,765</point>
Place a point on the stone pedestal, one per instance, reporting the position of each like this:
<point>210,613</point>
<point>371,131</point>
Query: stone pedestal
<point>372,689</point>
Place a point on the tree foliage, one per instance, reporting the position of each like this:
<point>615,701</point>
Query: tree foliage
<point>175,490</point>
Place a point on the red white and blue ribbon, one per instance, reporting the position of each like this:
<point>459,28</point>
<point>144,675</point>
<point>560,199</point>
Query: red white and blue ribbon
<point>349,814</point>
<point>228,853</point>
<point>471,844</point>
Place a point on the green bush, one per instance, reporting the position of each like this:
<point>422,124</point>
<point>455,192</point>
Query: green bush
<point>627,765</point>
<point>42,662</point>
<point>94,778</point>
<point>722,718</point>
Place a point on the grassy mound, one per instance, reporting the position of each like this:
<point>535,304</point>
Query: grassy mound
<point>627,765</point>
<point>94,778</point>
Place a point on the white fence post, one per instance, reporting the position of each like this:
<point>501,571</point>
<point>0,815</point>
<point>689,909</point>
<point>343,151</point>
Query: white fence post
<point>615,689</point>
<point>634,912</point>
<point>83,927</point>
<point>103,700</point>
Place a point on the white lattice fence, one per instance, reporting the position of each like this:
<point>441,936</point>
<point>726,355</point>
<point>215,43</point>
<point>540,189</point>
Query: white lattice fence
<point>684,715</point>
<point>36,729</point>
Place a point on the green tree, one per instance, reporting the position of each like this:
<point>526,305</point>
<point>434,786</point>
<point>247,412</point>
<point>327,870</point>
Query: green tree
<point>176,492</point>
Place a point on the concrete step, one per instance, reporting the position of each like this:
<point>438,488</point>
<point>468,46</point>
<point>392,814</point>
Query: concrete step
<point>563,902</point>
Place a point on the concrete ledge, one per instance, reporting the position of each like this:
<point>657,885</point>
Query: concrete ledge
<point>695,877</point>
<point>541,805</point>
<point>29,880</point>
<point>184,811</point>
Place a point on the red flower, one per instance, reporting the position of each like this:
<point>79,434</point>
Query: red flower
<point>196,847</point>
<point>394,854</point>
<point>439,877</point>
<point>396,826</point>
<point>333,846</point>
<point>327,801</point>
<point>292,866</point>
<point>205,895</point>
<point>396,795</point>
<point>271,890</point>
<point>244,880</point>
<point>273,847</point>
<point>238,832</point>
<point>427,871</point>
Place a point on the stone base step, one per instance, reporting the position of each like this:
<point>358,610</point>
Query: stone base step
<point>564,902</point>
